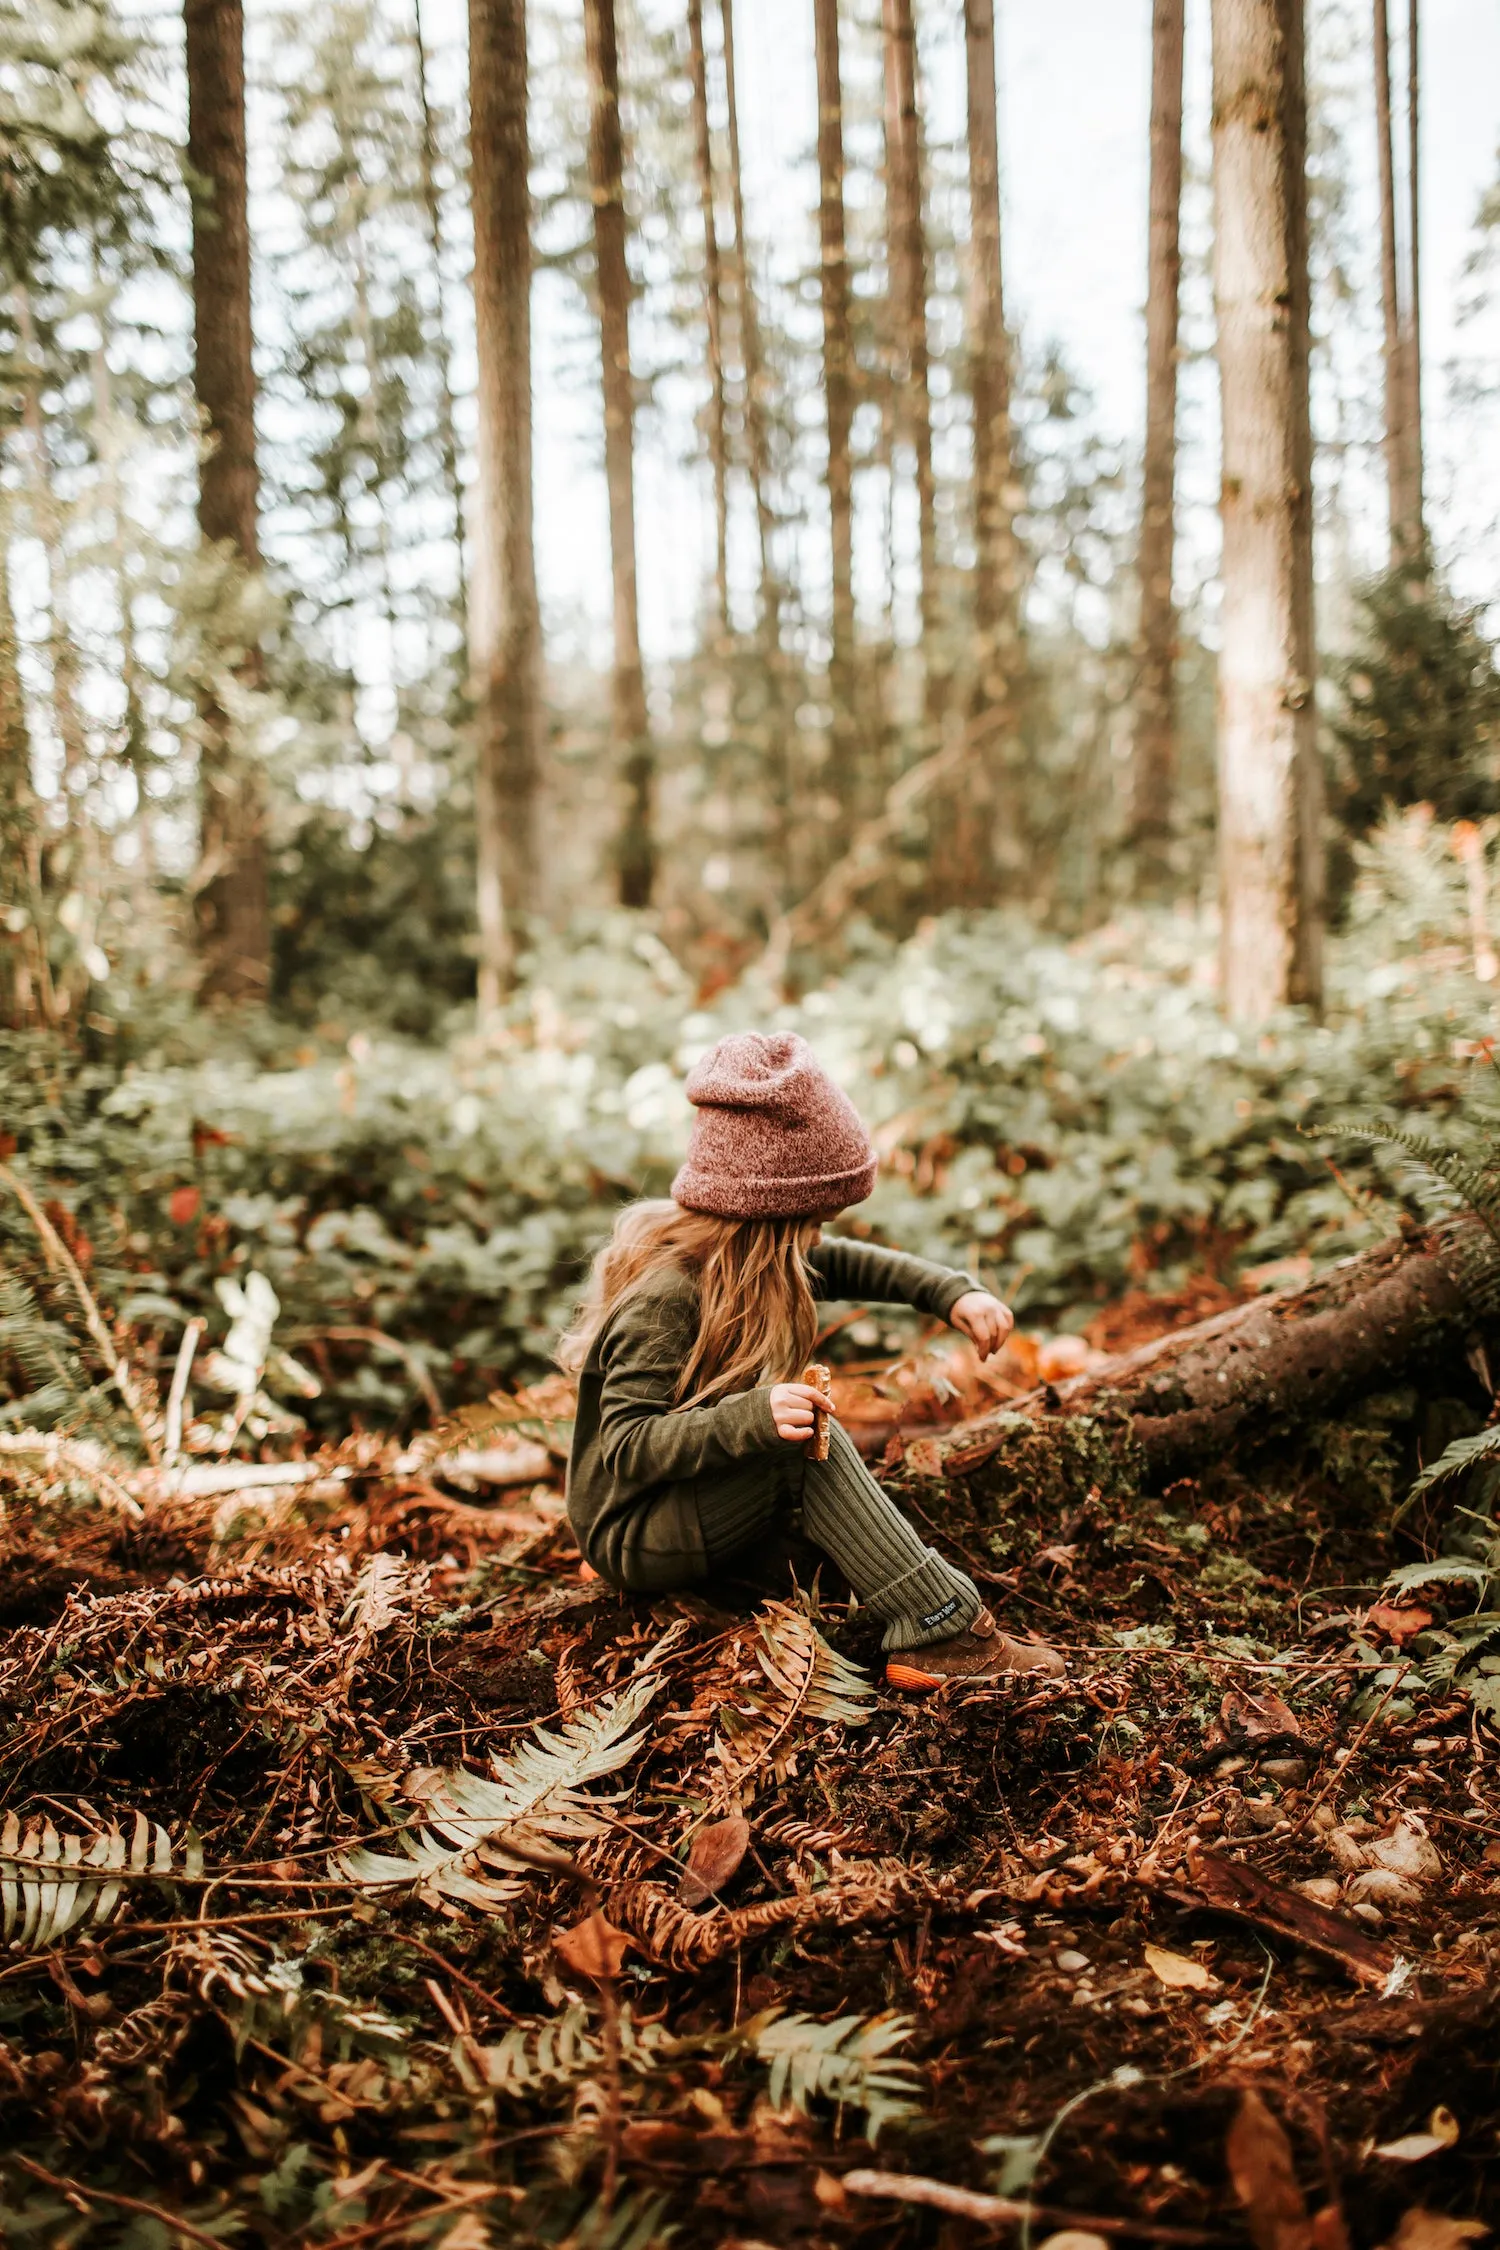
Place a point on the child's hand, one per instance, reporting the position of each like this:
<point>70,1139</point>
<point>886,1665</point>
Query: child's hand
<point>793,1408</point>
<point>984,1320</point>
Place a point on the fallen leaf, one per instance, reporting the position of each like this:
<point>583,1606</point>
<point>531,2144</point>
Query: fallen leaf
<point>1399,1622</point>
<point>1259,2157</point>
<point>1432,2230</point>
<point>182,1206</point>
<point>1177,1970</point>
<point>1412,2148</point>
<point>1256,1721</point>
<point>715,1855</point>
<point>592,1948</point>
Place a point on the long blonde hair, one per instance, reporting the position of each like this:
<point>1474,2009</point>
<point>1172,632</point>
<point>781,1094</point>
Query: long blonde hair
<point>756,1318</point>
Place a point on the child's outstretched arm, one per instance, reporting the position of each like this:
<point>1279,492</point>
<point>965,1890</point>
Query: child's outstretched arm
<point>865,1273</point>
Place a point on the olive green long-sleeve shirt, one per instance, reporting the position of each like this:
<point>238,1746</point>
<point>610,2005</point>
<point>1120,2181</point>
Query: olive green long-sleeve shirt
<point>639,1468</point>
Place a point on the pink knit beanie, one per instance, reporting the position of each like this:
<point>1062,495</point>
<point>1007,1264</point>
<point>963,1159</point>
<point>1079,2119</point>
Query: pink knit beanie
<point>774,1138</point>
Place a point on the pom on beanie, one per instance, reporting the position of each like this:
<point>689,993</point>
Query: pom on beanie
<point>774,1138</point>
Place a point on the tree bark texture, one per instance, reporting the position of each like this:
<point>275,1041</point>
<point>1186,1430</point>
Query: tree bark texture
<point>713,303</point>
<point>432,206</point>
<point>233,914</point>
<point>908,262</point>
<point>505,634</point>
<point>637,848</point>
<point>997,575</point>
<point>964,863</point>
<point>1270,784</point>
<point>752,362</point>
<point>1418,528</point>
<point>1262,1370</point>
<point>838,399</point>
<point>1154,760</point>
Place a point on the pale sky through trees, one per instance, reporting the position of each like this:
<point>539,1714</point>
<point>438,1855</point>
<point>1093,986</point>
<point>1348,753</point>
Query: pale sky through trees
<point>1074,83</point>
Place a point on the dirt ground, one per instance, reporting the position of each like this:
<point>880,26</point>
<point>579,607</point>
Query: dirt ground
<point>1105,1999</point>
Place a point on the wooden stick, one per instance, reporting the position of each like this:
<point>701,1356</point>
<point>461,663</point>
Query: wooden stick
<point>1002,2210</point>
<point>821,1379</point>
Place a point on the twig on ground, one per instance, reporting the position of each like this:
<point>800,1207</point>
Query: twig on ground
<point>75,2191</point>
<point>1003,2210</point>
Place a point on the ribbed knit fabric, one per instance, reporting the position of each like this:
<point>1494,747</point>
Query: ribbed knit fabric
<point>916,1594</point>
<point>738,1508</point>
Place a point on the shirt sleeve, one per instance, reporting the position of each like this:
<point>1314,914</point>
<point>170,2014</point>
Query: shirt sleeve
<point>865,1273</point>
<point>643,1440</point>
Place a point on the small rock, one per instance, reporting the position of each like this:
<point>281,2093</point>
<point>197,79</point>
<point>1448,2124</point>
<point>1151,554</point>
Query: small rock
<point>1381,1886</point>
<point>1072,1964</point>
<point>1367,1913</point>
<point>1075,2238</point>
<point>1287,1773</point>
<point>1406,1850</point>
<point>1263,1814</point>
<point>1321,1889</point>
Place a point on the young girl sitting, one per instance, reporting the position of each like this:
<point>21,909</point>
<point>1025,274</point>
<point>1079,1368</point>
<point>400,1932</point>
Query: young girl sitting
<point>690,1444</point>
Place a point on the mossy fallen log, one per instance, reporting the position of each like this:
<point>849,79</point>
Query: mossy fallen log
<point>1266,1369</point>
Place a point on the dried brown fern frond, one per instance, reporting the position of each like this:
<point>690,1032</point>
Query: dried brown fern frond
<point>543,1413</point>
<point>807,1682</point>
<point>807,1836</point>
<point>870,1891</point>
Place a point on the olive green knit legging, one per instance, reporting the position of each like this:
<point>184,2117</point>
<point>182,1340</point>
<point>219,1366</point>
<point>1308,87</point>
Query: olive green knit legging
<point>916,1594</point>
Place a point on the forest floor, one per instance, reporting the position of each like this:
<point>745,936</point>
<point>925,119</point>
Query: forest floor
<point>1199,1945</point>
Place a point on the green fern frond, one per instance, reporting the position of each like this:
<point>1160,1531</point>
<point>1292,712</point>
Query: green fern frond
<point>556,2051</point>
<point>1477,1185</point>
<point>844,2062</point>
<point>1459,1645</point>
<point>629,2222</point>
<point>51,1884</point>
<point>1443,1570</point>
<point>535,1797</point>
<point>1460,1455</point>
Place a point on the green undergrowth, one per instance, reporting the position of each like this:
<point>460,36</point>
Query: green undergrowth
<point>1075,1119</point>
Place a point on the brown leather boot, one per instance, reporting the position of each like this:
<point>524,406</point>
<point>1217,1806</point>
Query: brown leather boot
<point>982,1653</point>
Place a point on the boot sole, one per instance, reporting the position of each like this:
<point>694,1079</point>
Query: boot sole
<point>913,1681</point>
<point>916,1682</point>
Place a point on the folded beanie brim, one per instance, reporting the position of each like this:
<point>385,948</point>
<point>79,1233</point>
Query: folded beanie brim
<point>727,1195</point>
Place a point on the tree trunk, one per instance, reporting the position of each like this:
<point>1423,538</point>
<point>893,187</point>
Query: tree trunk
<point>1390,294</point>
<point>964,868</point>
<point>233,915</point>
<point>432,206</point>
<point>62,651</point>
<point>908,259</point>
<point>1413,416</point>
<point>713,305</point>
<point>637,848</point>
<point>1154,762</point>
<point>505,632</point>
<point>1398,297</point>
<point>781,738</point>
<point>18,946</point>
<point>753,363</point>
<point>838,396</point>
<point>1264,1369</point>
<point>1270,785</point>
